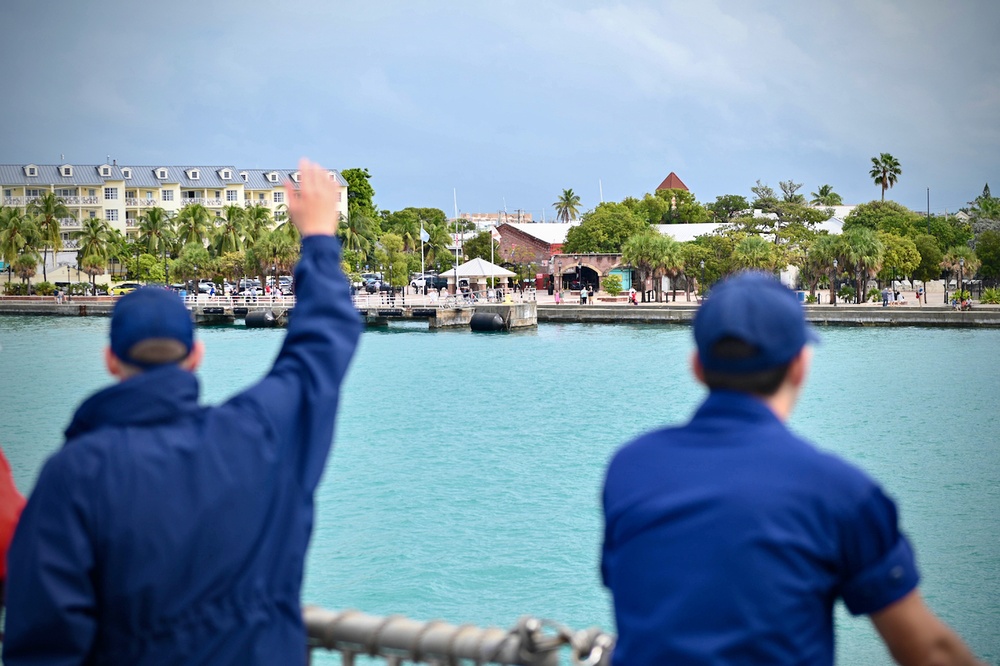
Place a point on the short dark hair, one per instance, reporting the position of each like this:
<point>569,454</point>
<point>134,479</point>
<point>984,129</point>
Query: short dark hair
<point>761,382</point>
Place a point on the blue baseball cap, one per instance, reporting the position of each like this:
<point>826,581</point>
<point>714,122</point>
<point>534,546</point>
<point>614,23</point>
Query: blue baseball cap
<point>758,310</point>
<point>150,327</point>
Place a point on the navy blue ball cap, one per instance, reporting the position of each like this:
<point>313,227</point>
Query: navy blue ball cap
<point>758,310</point>
<point>150,327</point>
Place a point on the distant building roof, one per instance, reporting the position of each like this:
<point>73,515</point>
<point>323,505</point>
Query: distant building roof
<point>672,182</point>
<point>547,232</point>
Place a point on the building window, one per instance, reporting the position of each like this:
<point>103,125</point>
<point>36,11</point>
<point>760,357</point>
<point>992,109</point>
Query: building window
<point>127,174</point>
<point>167,195</point>
<point>93,214</point>
<point>130,194</point>
<point>111,215</point>
<point>260,196</point>
<point>8,193</point>
<point>273,177</point>
<point>189,194</point>
<point>110,193</point>
<point>91,193</point>
<point>193,174</point>
<point>105,171</point>
<point>67,171</point>
<point>232,195</point>
<point>225,174</point>
<point>218,194</point>
<point>245,176</point>
<point>66,193</point>
<point>32,193</point>
<point>279,197</point>
<point>161,173</point>
<point>149,195</point>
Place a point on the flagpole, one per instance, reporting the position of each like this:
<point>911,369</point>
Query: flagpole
<point>423,272</point>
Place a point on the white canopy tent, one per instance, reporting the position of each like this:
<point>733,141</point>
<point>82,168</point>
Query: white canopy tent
<point>477,271</point>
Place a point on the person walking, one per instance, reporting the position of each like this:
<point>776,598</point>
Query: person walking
<point>166,532</point>
<point>728,539</point>
<point>885,297</point>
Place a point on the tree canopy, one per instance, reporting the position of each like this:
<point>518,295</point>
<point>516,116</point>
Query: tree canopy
<point>604,229</point>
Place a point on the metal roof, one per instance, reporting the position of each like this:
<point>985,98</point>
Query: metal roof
<point>145,176</point>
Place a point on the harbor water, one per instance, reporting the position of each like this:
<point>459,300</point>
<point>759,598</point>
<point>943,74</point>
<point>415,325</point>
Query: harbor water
<point>464,483</point>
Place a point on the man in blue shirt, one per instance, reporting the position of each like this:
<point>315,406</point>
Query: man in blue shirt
<point>165,532</point>
<point>729,539</point>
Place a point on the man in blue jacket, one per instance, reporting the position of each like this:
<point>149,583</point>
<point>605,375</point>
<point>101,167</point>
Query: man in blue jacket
<point>165,532</point>
<point>729,539</point>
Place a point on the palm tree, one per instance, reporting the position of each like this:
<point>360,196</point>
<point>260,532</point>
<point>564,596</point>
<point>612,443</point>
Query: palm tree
<point>48,210</point>
<point>960,260</point>
<point>258,221</point>
<point>863,253</point>
<point>355,234</point>
<point>156,231</point>
<point>231,231</point>
<point>754,253</point>
<point>275,251</point>
<point>819,262</point>
<point>826,197</point>
<point>94,242</point>
<point>18,235</point>
<point>194,224</point>
<point>668,260</point>
<point>885,171</point>
<point>567,206</point>
<point>639,252</point>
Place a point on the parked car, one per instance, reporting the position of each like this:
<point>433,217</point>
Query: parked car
<point>207,287</point>
<point>430,280</point>
<point>247,283</point>
<point>124,287</point>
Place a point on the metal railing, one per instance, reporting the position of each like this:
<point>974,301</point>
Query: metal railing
<point>443,300</point>
<point>531,642</point>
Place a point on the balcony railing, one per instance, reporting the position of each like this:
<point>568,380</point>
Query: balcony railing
<point>202,201</point>
<point>532,642</point>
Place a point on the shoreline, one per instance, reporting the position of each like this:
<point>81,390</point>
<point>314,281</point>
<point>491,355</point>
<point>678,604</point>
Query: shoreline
<point>869,314</point>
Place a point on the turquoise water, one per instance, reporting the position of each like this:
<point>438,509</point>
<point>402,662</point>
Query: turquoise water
<point>465,479</point>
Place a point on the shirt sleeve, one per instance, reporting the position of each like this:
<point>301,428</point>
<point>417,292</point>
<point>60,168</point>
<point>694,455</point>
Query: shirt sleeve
<point>300,394</point>
<point>881,568</point>
<point>51,607</point>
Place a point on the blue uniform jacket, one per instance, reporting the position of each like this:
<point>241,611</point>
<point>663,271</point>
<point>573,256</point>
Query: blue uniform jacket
<point>165,532</point>
<point>728,541</point>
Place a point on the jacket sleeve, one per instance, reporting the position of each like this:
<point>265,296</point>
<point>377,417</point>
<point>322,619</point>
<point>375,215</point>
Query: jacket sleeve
<point>51,608</point>
<point>299,396</point>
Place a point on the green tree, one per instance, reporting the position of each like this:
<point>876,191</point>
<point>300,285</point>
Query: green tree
<point>192,263</point>
<point>693,255</point>
<point>604,229</point>
<point>825,196</point>
<point>668,261</point>
<point>257,222</point>
<point>94,241</point>
<point>753,252</point>
<point>567,206</point>
<point>194,224</point>
<point>479,247</point>
<point>988,251</point>
<point>985,206</point>
<point>885,171</point>
<point>18,235</point>
<point>764,197</point>
<point>887,216</point>
<point>47,210</point>
<point>728,207</point>
<point>682,208</point>
<point>231,231</point>
<point>789,189</point>
<point>360,193</point>
<point>863,253</point>
<point>819,259</point>
<point>901,256</point>
<point>960,262</point>
<point>931,256</point>
<point>274,253</point>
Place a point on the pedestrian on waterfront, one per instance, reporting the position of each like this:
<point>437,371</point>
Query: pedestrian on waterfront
<point>166,532</point>
<point>590,294</point>
<point>728,539</point>
<point>583,294</point>
<point>885,296</point>
<point>633,296</point>
<point>920,296</point>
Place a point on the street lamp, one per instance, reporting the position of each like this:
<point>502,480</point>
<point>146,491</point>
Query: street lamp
<point>559,269</point>
<point>703,278</point>
<point>833,284</point>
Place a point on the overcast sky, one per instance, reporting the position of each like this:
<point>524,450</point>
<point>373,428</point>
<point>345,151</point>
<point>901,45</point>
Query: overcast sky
<point>508,103</point>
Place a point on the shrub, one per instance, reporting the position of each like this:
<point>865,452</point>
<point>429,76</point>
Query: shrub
<point>991,296</point>
<point>811,298</point>
<point>78,288</point>
<point>45,289</point>
<point>874,295</point>
<point>962,295</point>
<point>15,289</point>
<point>846,293</point>
<point>612,284</point>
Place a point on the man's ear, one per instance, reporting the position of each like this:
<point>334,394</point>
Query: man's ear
<point>799,368</point>
<point>193,360</point>
<point>113,364</point>
<point>697,369</point>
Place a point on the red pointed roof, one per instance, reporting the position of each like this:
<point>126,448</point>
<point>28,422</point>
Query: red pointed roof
<point>672,182</point>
